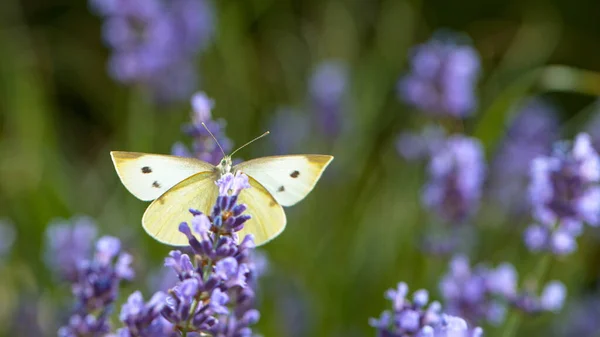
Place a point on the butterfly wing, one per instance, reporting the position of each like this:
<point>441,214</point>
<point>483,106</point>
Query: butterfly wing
<point>268,218</point>
<point>148,176</point>
<point>162,218</point>
<point>288,178</point>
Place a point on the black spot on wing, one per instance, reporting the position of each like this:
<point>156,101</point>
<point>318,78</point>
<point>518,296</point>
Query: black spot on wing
<point>281,189</point>
<point>155,184</point>
<point>146,170</point>
<point>294,174</point>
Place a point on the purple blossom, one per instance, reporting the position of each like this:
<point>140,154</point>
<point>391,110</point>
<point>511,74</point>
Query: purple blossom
<point>456,174</point>
<point>415,318</point>
<point>214,294</point>
<point>485,294</point>
<point>7,237</point>
<point>289,129</point>
<point>155,42</point>
<point>564,194</point>
<point>96,287</point>
<point>530,134</point>
<point>420,145</point>
<point>68,243</point>
<point>442,78</point>
<point>328,89</point>
<point>204,146</point>
<point>581,317</point>
<point>145,319</point>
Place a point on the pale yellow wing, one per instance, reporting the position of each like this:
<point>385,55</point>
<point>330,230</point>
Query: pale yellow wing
<point>268,218</point>
<point>147,176</point>
<point>288,178</point>
<point>162,218</point>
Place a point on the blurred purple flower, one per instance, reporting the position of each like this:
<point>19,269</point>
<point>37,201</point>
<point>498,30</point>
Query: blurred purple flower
<point>484,294</point>
<point>204,146</point>
<point>328,90</point>
<point>420,145</point>
<point>289,129</point>
<point>7,237</point>
<point>530,134</point>
<point>96,288</point>
<point>456,175</point>
<point>214,294</point>
<point>416,318</point>
<point>155,42</point>
<point>581,317</point>
<point>68,243</point>
<point>145,319</point>
<point>442,78</point>
<point>564,194</point>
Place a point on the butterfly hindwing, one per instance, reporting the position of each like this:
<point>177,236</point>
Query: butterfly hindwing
<point>288,178</point>
<point>162,218</point>
<point>148,176</point>
<point>268,218</point>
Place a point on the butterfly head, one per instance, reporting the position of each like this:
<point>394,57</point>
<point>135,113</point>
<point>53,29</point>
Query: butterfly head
<point>224,165</point>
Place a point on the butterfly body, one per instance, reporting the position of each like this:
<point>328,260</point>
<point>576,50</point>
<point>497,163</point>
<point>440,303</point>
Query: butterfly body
<point>177,184</point>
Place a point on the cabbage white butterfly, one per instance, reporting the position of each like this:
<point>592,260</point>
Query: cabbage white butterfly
<point>177,184</point>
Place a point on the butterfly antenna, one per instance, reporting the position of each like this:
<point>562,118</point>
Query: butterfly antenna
<point>215,138</point>
<point>252,141</point>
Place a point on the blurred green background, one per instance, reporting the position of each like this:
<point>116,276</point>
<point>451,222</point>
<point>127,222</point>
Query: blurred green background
<point>357,233</point>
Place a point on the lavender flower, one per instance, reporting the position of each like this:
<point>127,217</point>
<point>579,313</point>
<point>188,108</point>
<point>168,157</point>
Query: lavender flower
<point>443,77</point>
<point>289,129</point>
<point>456,174</point>
<point>96,288</point>
<point>582,317</point>
<point>328,87</point>
<point>145,319</point>
<point>7,237</point>
<point>214,294</point>
<point>421,145</point>
<point>155,42</point>
<point>564,194</point>
<point>68,243</point>
<point>530,135</point>
<point>417,319</point>
<point>484,294</point>
<point>203,146</point>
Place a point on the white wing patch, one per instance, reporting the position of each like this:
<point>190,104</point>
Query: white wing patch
<point>288,178</point>
<point>148,176</point>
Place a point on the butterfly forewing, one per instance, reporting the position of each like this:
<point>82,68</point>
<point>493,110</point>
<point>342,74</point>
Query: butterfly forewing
<point>288,178</point>
<point>162,218</point>
<point>148,176</point>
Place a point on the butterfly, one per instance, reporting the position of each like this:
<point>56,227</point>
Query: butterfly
<point>178,184</point>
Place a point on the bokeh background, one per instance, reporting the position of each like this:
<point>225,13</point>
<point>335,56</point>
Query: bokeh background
<point>360,231</point>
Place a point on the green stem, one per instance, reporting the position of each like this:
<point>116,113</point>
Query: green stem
<point>537,277</point>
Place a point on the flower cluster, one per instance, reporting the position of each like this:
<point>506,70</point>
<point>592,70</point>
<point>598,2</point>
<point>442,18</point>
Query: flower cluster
<point>420,145</point>
<point>214,292</point>
<point>145,319</point>
<point>416,318</point>
<point>154,42</point>
<point>564,194</point>
<point>7,237</point>
<point>484,294</point>
<point>443,77</point>
<point>67,244</point>
<point>530,134</point>
<point>328,87</point>
<point>204,146</point>
<point>456,173</point>
<point>96,287</point>
<point>289,130</point>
